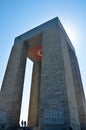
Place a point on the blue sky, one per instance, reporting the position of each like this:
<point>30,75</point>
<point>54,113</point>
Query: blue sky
<point>19,16</point>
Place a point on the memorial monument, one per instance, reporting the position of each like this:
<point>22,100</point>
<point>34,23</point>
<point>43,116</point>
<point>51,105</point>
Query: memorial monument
<point>57,100</point>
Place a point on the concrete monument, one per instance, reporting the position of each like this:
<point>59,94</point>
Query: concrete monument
<point>57,100</point>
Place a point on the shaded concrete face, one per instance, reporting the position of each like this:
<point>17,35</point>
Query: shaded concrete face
<point>35,44</point>
<point>57,98</point>
<point>78,87</point>
<point>12,87</point>
<point>33,117</point>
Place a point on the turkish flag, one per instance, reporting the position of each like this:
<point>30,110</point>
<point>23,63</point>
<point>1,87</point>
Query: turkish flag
<point>37,52</point>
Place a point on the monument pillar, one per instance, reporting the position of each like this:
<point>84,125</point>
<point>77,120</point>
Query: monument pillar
<point>72,103</point>
<point>57,96</point>
<point>12,86</point>
<point>80,97</point>
<point>34,96</point>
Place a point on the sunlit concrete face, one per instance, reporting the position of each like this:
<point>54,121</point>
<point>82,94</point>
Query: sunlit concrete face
<point>57,99</point>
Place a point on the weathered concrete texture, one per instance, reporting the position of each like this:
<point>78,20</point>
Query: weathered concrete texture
<point>58,109</point>
<point>78,89</point>
<point>57,99</point>
<point>70,85</point>
<point>11,91</point>
<point>34,96</point>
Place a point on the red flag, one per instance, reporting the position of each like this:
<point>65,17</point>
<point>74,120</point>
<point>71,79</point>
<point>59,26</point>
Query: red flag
<point>37,52</point>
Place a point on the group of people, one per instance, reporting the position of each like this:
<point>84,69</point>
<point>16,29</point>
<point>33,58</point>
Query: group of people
<point>23,123</point>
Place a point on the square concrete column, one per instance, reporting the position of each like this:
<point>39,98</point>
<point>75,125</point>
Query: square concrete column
<point>80,97</point>
<point>12,86</point>
<point>57,97</point>
<point>72,102</point>
<point>34,96</point>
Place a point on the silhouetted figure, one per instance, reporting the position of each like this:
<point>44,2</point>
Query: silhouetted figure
<point>81,128</point>
<point>70,128</point>
<point>22,123</point>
